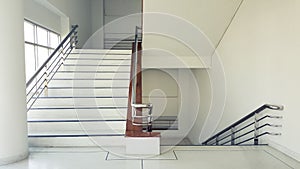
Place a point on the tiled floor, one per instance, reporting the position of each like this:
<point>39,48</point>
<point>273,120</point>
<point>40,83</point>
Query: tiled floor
<point>181,157</point>
<point>185,142</point>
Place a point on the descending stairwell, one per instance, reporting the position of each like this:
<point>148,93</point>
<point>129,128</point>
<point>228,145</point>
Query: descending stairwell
<point>85,103</point>
<point>118,44</point>
<point>121,41</point>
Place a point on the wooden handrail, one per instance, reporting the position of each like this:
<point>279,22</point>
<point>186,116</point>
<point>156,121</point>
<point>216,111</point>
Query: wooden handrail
<point>134,130</point>
<point>129,125</point>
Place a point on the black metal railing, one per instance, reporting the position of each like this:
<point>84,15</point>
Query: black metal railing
<point>39,81</point>
<point>247,129</point>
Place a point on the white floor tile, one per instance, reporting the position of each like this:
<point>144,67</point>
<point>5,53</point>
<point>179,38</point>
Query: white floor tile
<point>170,155</point>
<point>72,160</point>
<point>234,159</point>
<point>180,157</point>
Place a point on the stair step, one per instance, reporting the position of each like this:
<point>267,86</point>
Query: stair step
<point>84,56</point>
<point>80,97</point>
<point>116,47</point>
<point>94,68</point>
<point>85,103</point>
<point>127,40</point>
<point>107,58</point>
<point>90,75</point>
<point>80,102</point>
<point>93,72</point>
<point>96,65</point>
<point>79,114</point>
<point>87,79</point>
<point>99,62</point>
<point>69,141</point>
<point>98,127</point>
<point>78,108</point>
<point>75,135</point>
<point>114,38</point>
<point>89,83</point>
<point>89,88</point>
<point>103,51</point>
<point>120,36</point>
<point>72,121</point>
<point>92,93</point>
<point>113,43</point>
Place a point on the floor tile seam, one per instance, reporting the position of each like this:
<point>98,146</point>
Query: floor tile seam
<point>145,159</point>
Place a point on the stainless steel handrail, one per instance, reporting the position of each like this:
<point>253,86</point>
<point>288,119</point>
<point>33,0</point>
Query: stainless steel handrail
<point>232,130</point>
<point>135,58</point>
<point>148,116</point>
<point>47,70</point>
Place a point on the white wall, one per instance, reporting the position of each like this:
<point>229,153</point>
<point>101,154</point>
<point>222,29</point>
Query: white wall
<point>173,92</point>
<point>205,94</point>
<point>260,53</point>
<point>13,114</point>
<point>97,21</point>
<point>209,18</point>
<point>161,89</point>
<point>96,15</point>
<point>79,12</point>
<point>260,56</point>
<point>37,13</point>
<point>120,12</point>
<point>170,41</point>
<point>122,7</point>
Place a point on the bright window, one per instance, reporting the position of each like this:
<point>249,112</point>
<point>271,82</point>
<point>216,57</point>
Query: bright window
<point>42,36</point>
<point>54,40</point>
<point>40,42</point>
<point>29,32</point>
<point>29,61</point>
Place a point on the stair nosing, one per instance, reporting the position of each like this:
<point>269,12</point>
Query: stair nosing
<point>73,135</point>
<point>74,121</point>
<point>81,71</point>
<point>77,108</point>
<point>81,97</point>
<point>61,88</point>
<point>99,65</point>
<point>102,54</point>
<point>90,79</point>
<point>73,58</point>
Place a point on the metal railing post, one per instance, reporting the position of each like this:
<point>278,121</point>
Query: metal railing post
<point>46,82</point>
<point>256,125</point>
<point>149,127</point>
<point>232,136</point>
<point>41,78</point>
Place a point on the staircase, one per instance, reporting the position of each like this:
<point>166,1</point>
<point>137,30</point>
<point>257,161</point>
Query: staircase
<point>85,104</point>
<point>118,44</point>
<point>122,41</point>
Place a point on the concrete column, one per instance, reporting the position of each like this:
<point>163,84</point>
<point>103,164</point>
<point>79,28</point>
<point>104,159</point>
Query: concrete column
<point>13,125</point>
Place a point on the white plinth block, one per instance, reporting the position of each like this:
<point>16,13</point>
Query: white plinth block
<point>143,145</point>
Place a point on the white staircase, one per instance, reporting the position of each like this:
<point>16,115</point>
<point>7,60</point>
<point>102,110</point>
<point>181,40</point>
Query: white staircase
<point>85,103</point>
